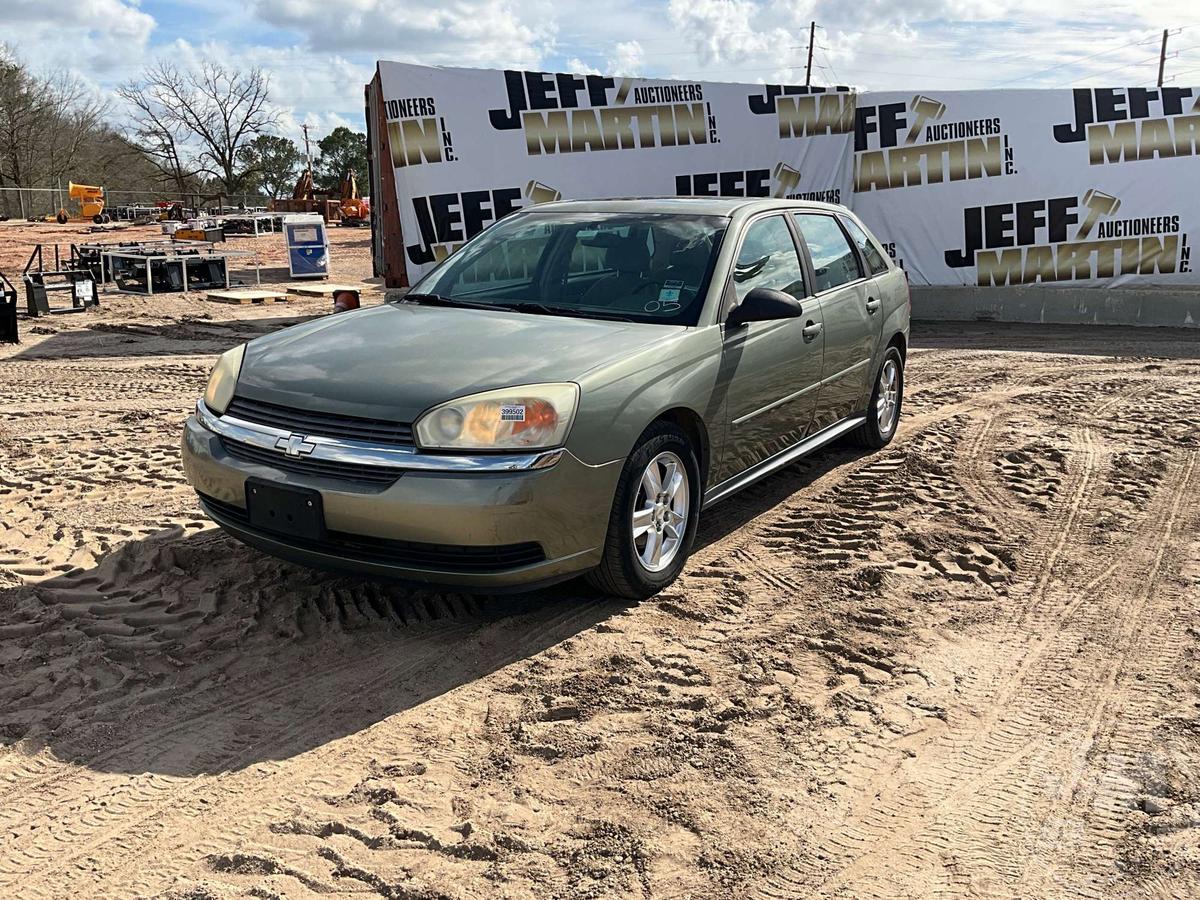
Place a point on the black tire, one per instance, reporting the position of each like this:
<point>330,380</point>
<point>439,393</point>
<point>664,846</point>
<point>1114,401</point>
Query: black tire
<point>868,434</point>
<point>621,572</point>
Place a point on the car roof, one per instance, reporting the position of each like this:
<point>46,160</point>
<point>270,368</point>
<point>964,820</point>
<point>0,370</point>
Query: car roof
<point>700,206</point>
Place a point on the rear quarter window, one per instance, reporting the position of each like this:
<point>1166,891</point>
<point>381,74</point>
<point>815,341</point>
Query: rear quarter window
<point>876,261</point>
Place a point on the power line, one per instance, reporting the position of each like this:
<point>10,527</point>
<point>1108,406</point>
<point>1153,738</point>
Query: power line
<point>1132,65</point>
<point>1070,62</point>
<point>1149,59</point>
<point>825,55</point>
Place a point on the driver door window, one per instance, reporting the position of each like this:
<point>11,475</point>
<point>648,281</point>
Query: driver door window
<point>768,258</point>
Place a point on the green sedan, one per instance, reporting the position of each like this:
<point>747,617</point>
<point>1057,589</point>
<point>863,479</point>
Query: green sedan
<point>563,395</point>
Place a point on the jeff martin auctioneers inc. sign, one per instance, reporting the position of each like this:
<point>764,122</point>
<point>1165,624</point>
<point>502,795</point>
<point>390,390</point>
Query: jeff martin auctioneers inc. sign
<point>1091,186</point>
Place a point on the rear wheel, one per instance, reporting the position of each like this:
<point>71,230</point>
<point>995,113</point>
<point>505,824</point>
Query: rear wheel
<point>887,397</point>
<point>653,520</point>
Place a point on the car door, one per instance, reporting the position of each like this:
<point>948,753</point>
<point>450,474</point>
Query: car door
<point>888,283</point>
<point>850,311</point>
<point>770,370</point>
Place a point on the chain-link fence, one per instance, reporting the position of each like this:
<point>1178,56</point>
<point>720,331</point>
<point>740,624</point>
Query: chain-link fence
<point>37,202</point>
<point>21,203</point>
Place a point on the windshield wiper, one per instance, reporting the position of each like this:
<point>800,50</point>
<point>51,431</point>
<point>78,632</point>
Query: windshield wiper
<point>539,308</point>
<point>570,311</point>
<point>524,306</point>
<point>439,300</point>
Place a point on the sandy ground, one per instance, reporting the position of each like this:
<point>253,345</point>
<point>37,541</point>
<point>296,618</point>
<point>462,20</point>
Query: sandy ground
<point>966,665</point>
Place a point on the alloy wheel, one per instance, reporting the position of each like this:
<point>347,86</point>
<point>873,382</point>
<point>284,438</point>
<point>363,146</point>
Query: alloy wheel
<point>660,512</point>
<point>888,403</point>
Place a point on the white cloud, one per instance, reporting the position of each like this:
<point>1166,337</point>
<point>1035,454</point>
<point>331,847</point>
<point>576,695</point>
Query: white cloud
<point>320,53</point>
<point>627,59</point>
<point>467,32</point>
<point>732,30</point>
<point>93,37</point>
<point>577,66</point>
<point>964,44</point>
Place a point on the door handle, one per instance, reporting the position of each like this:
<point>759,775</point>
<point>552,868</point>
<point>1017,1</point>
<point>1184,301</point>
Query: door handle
<point>873,305</point>
<point>810,331</point>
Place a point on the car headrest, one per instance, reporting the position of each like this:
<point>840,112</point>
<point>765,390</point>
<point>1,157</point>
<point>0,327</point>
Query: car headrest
<point>630,255</point>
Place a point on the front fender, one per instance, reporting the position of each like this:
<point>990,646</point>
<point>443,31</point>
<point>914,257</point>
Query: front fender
<point>620,399</point>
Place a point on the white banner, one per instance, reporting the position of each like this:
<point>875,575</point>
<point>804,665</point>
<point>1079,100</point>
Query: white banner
<point>470,145</point>
<point>1087,187</point>
<point>1090,187</point>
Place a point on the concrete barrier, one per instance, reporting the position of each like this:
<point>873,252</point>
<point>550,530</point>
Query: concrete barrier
<point>1175,307</point>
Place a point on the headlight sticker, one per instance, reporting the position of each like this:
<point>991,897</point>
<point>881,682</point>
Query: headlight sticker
<point>512,412</point>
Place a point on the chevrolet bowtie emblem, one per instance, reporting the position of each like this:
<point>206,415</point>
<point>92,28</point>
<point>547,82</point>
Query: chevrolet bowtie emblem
<point>295,445</point>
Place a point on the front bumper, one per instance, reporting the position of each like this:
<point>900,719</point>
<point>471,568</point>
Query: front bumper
<point>563,508</point>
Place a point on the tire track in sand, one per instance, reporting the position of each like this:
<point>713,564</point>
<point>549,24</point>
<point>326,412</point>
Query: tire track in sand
<point>992,797</point>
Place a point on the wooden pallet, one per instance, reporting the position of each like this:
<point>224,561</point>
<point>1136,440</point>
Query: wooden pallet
<point>250,296</point>
<point>322,290</point>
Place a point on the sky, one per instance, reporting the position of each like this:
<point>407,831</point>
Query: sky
<point>320,53</point>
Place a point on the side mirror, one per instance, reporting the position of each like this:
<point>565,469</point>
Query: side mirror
<point>764,305</point>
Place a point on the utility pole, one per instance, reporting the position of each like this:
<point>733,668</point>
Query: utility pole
<point>307,154</point>
<point>1162,57</point>
<point>812,39</point>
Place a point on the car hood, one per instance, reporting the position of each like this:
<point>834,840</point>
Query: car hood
<point>396,360</point>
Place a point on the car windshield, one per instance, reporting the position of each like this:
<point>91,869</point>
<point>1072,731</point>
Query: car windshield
<point>641,267</point>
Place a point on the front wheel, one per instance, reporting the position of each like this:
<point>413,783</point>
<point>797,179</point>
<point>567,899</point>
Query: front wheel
<point>653,520</point>
<point>883,412</point>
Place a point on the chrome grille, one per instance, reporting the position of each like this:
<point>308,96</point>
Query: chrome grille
<point>308,422</point>
<point>307,465</point>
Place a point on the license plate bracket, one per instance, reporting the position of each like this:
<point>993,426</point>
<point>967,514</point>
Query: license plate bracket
<point>286,510</point>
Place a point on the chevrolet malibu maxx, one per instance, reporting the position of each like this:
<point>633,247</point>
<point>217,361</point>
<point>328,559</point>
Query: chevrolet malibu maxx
<point>561,396</point>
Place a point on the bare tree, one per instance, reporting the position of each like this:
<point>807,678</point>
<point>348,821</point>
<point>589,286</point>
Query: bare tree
<point>45,121</point>
<point>157,130</point>
<point>19,106</point>
<point>205,116</point>
<point>77,116</point>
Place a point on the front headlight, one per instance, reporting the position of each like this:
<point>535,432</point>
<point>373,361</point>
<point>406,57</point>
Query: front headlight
<point>530,417</point>
<point>223,379</point>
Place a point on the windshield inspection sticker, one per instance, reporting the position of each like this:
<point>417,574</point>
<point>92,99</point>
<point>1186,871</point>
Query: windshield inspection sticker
<point>668,298</point>
<point>670,292</point>
<point>514,412</point>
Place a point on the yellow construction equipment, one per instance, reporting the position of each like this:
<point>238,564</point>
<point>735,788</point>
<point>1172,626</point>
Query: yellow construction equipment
<point>91,203</point>
<point>355,209</point>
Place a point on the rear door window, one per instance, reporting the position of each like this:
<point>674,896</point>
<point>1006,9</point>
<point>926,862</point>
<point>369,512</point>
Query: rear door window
<point>834,260</point>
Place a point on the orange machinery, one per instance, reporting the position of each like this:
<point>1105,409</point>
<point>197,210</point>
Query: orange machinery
<point>91,203</point>
<point>355,210</point>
